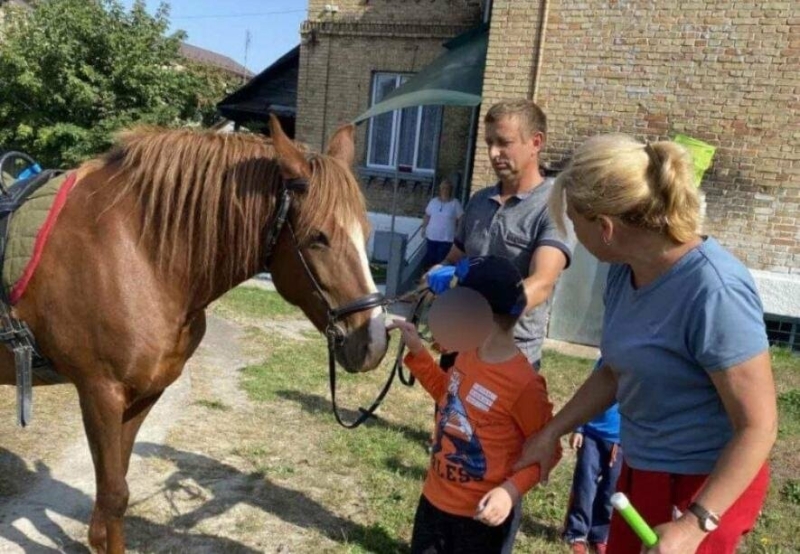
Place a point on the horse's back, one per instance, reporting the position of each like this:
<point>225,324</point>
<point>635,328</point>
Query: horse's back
<point>96,303</point>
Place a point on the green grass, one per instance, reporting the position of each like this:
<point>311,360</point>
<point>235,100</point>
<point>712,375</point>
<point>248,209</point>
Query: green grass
<point>252,303</point>
<point>776,531</point>
<point>383,463</point>
<point>213,405</point>
<point>790,492</point>
<point>387,456</point>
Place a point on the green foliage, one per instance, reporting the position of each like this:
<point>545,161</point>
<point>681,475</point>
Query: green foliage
<point>72,72</point>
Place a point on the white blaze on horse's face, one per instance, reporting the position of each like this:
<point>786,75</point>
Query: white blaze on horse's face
<point>377,324</point>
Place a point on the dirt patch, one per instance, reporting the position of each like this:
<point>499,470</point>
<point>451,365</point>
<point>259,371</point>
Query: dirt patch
<point>192,488</point>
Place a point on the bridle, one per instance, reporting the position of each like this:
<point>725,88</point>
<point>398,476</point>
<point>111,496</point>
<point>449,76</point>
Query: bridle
<point>333,333</point>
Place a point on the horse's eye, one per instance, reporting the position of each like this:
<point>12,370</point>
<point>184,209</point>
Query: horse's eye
<point>320,240</point>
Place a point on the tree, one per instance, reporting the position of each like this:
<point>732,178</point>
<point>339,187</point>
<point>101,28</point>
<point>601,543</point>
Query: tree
<point>72,72</point>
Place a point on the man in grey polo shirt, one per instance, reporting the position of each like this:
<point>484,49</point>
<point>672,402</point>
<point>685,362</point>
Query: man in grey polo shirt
<point>510,219</point>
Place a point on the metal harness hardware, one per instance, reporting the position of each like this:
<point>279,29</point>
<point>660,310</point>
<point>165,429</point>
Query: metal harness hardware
<point>15,334</point>
<point>18,338</point>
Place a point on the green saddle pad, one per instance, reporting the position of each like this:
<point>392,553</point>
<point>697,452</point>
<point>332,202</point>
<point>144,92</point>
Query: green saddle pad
<point>24,227</point>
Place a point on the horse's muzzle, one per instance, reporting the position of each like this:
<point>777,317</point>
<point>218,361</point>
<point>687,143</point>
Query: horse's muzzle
<point>364,347</point>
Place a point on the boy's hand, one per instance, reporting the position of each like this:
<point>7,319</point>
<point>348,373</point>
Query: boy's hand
<point>576,441</point>
<point>494,507</point>
<point>410,335</point>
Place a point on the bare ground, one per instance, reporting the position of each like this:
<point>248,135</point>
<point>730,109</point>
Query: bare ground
<point>192,488</point>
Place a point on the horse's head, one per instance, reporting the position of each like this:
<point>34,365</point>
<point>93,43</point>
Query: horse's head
<point>330,229</point>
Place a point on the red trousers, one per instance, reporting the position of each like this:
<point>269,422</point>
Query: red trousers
<point>654,494</point>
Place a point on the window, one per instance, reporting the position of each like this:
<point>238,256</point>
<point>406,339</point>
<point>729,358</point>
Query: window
<point>408,138</point>
<point>783,331</point>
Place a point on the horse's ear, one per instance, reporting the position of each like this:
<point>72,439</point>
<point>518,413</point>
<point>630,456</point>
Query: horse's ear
<point>342,145</point>
<point>291,160</point>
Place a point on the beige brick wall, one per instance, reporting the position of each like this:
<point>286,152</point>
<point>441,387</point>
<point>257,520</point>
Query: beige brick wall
<point>443,11</point>
<point>339,57</point>
<point>509,62</point>
<point>726,72</point>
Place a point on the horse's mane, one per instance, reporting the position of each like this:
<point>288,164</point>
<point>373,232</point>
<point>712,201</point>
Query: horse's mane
<point>208,196</point>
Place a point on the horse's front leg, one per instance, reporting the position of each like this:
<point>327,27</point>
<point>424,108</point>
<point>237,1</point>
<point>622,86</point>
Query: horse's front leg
<point>103,405</point>
<point>132,420</point>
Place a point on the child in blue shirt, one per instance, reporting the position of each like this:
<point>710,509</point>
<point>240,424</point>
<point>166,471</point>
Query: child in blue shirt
<point>597,468</point>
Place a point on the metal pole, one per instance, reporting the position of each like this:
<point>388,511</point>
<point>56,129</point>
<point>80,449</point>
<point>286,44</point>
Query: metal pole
<point>396,171</point>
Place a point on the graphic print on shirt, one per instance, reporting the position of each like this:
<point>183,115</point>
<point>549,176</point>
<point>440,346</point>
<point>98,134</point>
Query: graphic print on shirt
<point>455,427</point>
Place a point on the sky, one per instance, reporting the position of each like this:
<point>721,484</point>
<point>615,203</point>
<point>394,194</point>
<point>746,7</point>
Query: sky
<point>221,26</point>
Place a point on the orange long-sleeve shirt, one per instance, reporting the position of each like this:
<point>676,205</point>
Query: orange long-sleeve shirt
<point>484,414</point>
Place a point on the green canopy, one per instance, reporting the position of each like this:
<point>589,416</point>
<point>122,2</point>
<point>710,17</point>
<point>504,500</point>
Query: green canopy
<point>453,79</point>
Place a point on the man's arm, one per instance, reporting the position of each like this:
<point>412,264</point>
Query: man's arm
<point>547,263</point>
<point>453,256</point>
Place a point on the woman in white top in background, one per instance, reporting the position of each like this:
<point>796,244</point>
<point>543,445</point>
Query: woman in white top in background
<point>440,223</point>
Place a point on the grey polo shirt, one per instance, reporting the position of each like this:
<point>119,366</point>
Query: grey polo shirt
<point>514,230</point>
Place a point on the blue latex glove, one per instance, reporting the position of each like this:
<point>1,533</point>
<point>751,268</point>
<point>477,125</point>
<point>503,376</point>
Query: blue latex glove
<point>448,276</point>
<point>439,280</point>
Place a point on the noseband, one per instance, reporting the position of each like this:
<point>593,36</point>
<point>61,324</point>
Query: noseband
<point>333,332</point>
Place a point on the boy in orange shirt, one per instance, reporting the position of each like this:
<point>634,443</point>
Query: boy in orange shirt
<point>488,403</point>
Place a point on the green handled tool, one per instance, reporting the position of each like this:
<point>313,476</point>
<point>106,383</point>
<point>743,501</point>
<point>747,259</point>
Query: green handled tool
<point>632,517</point>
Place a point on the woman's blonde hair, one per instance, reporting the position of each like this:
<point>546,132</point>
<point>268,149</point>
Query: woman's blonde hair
<point>649,186</point>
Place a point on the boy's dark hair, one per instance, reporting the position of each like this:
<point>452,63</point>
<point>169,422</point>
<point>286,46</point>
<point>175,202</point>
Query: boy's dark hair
<point>506,321</point>
<point>498,281</point>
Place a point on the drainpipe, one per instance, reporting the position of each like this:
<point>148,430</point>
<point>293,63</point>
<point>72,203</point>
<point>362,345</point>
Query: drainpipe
<point>540,43</point>
<point>323,129</point>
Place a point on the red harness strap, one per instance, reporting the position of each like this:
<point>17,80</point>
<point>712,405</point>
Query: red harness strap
<point>41,238</point>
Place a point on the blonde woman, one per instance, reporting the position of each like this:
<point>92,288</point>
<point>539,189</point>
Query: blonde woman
<point>684,346</point>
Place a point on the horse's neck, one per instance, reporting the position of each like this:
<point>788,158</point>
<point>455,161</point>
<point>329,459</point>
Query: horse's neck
<point>231,268</point>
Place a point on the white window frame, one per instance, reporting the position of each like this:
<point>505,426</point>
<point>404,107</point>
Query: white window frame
<point>396,122</point>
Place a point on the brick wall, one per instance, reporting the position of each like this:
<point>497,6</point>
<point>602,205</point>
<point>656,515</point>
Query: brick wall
<point>427,11</point>
<point>339,55</point>
<point>726,72</point>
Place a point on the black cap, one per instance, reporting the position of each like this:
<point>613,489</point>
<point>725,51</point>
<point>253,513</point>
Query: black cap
<point>497,280</point>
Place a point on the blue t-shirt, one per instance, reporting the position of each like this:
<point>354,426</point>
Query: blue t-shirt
<point>605,426</point>
<point>662,341</point>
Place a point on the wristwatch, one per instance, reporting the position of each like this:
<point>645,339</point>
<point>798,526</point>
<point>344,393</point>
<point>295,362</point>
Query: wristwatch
<point>708,521</point>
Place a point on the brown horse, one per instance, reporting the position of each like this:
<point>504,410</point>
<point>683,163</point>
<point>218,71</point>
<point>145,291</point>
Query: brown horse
<point>152,233</point>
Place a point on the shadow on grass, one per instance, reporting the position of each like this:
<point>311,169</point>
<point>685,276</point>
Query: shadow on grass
<point>230,487</point>
<point>415,472</point>
<point>315,404</point>
<point>534,528</point>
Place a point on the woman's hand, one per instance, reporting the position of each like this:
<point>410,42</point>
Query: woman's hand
<point>539,449</point>
<point>494,507</point>
<point>576,441</point>
<point>410,335</point>
<point>682,536</point>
